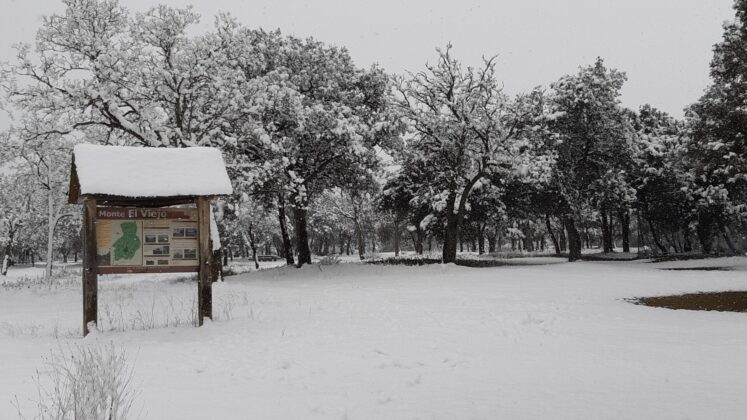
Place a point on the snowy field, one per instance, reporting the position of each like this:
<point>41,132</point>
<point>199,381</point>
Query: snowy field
<point>355,341</point>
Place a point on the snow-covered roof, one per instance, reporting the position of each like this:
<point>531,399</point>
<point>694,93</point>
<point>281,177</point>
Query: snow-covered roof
<point>140,172</point>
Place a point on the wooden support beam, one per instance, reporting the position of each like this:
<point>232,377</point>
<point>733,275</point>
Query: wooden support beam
<point>90,275</point>
<point>204,283</point>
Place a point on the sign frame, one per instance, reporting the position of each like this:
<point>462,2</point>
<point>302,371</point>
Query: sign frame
<point>91,270</point>
<point>168,216</point>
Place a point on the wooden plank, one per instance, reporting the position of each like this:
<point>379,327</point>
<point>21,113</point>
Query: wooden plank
<point>140,213</point>
<point>148,269</point>
<point>73,194</point>
<point>90,284</point>
<point>120,201</point>
<point>204,283</point>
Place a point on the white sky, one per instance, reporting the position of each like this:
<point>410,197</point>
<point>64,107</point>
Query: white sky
<point>663,45</point>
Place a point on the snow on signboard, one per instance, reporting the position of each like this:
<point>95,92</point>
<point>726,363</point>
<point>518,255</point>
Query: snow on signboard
<point>150,172</point>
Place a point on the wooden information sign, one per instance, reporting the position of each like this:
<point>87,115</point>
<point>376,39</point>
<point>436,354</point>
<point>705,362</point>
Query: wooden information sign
<point>129,228</point>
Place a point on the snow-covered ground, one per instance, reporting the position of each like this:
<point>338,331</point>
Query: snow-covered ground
<point>355,341</point>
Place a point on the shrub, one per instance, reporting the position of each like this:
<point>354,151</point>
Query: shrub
<point>85,383</point>
<point>466,262</point>
<point>331,259</point>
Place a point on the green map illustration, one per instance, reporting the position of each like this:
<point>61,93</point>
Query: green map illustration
<point>127,246</point>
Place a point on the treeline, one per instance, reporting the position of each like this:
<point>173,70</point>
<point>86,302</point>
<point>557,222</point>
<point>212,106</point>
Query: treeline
<point>327,157</point>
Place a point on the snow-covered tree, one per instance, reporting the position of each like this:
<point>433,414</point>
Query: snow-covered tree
<point>466,131</point>
<point>397,203</point>
<point>595,146</point>
<point>248,225</point>
<point>118,78</point>
<point>662,179</point>
<point>353,205</point>
<point>718,148</point>
<point>312,117</point>
<point>42,170</point>
<point>15,215</point>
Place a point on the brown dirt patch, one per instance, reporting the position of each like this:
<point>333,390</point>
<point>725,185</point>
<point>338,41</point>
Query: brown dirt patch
<point>732,301</point>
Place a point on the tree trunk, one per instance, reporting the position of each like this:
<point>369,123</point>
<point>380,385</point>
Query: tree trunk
<point>302,234</point>
<point>655,236</point>
<point>450,239</point>
<point>6,263</point>
<point>254,257</point>
<point>287,247</point>
<point>9,244</point>
<point>548,225</point>
<point>396,237</point>
<point>574,239</point>
<point>563,242</point>
<point>704,237</point>
<point>527,241</point>
<point>727,238</point>
<point>325,247</point>
<point>361,243</point>
<point>51,222</point>
<point>216,266</point>
<point>624,216</point>
<point>705,233</point>
<point>639,224</point>
<point>606,232</point>
<point>451,232</point>
<point>688,246</point>
<point>672,242</point>
<point>417,240</point>
<point>253,245</point>
<point>491,242</point>
<point>481,239</point>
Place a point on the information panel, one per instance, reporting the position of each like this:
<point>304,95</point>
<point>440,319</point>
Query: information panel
<point>131,240</point>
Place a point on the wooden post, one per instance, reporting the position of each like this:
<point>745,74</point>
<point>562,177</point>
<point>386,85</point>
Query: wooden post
<point>204,283</point>
<point>90,284</point>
